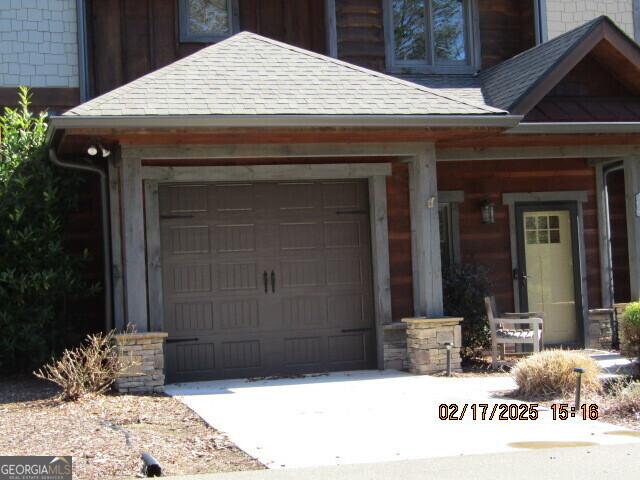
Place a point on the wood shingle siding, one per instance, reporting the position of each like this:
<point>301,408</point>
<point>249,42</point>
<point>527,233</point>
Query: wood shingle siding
<point>489,245</point>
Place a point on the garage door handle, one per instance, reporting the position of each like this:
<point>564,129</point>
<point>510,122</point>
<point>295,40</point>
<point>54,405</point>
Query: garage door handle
<point>265,278</point>
<point>273,281</point>
<point>181,340</point>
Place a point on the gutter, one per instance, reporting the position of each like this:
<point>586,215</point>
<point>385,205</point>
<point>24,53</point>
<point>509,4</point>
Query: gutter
<point>559,128</point>
<point>105,226</point>
<point>265,121</point>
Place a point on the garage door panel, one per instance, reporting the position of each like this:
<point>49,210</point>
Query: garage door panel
<point>193,357</point>
<point>299,236</point>
<point>347,348</point>
<point>304,312</point>
<point>241,354</point>
<point>189,278</point>
<point>180,199</point>
<point>344,271</point>
<point>240,314</point>
<point>291,198</point>
<point>342,234</point>
<point>187,239</point>
<point>189,317</point>
<point>304,351</point>
<point>234,238</point>
<point>342,195</point>
<point>234,198</point>
<point>237,276</point>
<point>299,273</point>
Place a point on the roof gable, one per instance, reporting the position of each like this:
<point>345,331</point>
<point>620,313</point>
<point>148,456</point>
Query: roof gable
<point>251,75</point>
<point>520,83</point>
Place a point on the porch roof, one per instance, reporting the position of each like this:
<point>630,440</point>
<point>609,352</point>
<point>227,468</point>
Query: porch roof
<point>249,75</point>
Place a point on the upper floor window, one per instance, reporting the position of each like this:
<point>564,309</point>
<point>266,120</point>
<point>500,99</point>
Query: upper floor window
<point>429,36</point>
<point>206,20</point>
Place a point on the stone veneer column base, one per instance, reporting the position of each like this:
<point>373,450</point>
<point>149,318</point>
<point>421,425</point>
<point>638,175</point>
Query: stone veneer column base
<point>144,356</point>
<point>395,346</point>
<point>426,339</point>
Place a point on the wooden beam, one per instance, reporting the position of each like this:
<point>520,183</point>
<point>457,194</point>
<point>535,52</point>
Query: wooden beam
<point>135,274</point>
<point>116,244</point>
<point>425,234</point>
<point>527,153</point>
<point>312,150</point>
<point>266,172</point>
<point>380,259</point>
<point>154,256</point>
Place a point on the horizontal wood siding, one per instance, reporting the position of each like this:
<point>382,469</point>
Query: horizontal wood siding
<point>130,38</point>
<point>489,245</point>
<point>507,27</point>
<point>360,33</point>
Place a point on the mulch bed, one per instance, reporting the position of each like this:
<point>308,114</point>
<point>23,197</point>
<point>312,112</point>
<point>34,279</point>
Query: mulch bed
<point>106,434</point>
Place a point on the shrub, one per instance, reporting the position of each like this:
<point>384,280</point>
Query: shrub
<point>464,288</point>
<point>630,330</point>
<point>625,399</point>
<point>550,374</point>
<point>90,368</point>
<point>37,275</point>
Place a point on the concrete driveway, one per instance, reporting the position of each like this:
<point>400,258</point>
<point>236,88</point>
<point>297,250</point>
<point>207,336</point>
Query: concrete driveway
<point>373,416</point>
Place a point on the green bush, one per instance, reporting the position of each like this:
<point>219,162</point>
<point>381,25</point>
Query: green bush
<point>464,288</point>
<point>630,330</point>
<point>37,274</point>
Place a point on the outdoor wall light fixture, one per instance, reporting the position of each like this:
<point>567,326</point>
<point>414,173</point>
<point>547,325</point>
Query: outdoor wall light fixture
<point>488,212</point>
<point>93,151</point>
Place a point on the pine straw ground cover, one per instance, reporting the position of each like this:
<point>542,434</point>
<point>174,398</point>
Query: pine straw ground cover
<point>105,434</point>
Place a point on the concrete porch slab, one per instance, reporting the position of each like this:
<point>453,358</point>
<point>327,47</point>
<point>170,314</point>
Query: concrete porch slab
<point>371,416</point>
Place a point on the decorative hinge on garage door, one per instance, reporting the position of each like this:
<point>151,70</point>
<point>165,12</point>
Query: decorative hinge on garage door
<point>181,340</point>
<point>356,330</point>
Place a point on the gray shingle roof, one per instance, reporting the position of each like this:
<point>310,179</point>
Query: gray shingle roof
<point>506,83</point>
<point>251,75</point>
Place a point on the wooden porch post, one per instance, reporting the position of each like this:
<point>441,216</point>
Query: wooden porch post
<point>135,275</point>
<point>425,234</point>
<point>632,190</point>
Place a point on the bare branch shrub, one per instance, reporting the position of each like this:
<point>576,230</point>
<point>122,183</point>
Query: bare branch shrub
<point>90,368</point>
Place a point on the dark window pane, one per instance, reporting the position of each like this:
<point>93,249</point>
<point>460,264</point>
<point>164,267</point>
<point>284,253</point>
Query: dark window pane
<point>543,236</point>
<point>409,29</point>
<point>208,17</point>
<point>532,237</point>
<point>554,236</point>
<point>531,223</point>
<point>449,30</point>
<point>554,221</point>
<point>542,222</point>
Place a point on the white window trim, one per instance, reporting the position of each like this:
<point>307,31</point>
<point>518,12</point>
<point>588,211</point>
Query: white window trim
<point>186,37</point>
<point>472,64</point>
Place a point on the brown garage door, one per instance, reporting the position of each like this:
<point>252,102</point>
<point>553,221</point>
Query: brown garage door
<point>266,278</point>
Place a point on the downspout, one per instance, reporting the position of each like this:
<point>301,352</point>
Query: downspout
<point>83,68</point>
<point>104,212</point>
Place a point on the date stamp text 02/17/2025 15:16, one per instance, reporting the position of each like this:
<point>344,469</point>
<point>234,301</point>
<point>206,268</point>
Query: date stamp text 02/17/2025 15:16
<point>513,411</point>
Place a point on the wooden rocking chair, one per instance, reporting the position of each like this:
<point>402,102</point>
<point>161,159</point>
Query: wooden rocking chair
<point>506,329</point>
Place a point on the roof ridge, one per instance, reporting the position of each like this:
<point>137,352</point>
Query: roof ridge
<point>367,71</point>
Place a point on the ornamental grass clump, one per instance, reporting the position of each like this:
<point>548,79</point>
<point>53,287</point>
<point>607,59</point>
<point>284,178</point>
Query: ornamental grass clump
<point>624,399</point>
<point>550,374</point>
